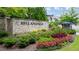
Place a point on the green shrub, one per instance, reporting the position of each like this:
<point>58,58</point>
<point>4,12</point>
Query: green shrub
<point>22,42</point>
<point>31,37</point>
<point>26,39</point>
<point>44,34</point>
<point>45,39</point>
<point>69,31</point>
<point>40,33</point>
<point>58,30</point>
<point>32,40</point>
<point>32,34</point>
<point>3,34</point>
<point>9,42</point>
<point>1,41</point>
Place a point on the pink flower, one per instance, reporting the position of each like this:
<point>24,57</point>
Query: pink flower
<point>53,43</point>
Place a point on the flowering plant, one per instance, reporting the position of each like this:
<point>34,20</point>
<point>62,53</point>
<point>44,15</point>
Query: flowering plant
<point>55,42</point>
<point>58,35</point>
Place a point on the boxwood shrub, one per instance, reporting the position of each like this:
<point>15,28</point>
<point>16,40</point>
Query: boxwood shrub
<point>22,42</point>
<point>9,42</point>
<point>32,40</point>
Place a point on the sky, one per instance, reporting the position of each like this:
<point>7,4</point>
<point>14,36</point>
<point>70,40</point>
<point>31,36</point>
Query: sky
<point>57,11</point>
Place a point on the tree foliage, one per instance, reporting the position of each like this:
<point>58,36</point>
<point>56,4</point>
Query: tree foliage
<point>14,12</point>
<point>37,13</point>
<point>71,16</point>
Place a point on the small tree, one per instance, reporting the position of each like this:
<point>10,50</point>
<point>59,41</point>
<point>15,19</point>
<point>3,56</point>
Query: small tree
<point>71,16</point>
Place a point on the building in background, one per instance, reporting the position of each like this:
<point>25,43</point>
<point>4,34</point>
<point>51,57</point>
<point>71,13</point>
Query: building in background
<point>52,18</point>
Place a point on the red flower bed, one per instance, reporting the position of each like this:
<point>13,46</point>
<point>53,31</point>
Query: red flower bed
<point>55,42</point>
<point>59,35</point>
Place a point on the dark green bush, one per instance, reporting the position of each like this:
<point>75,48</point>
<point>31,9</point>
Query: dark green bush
<point>22,42</point>
<point>31,37</point>
<point>32,40</point>
<point>3,34</point>
<point>70,31</point>
<point>1,41</point>
<point>27,39</point>
<point>9,42</point>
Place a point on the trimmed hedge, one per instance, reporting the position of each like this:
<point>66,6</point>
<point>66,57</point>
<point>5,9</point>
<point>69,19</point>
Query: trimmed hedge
<point>9,42</point>
<point>22,43</point>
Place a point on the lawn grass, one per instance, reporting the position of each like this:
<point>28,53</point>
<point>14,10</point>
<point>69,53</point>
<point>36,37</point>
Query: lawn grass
<point>73,46</point>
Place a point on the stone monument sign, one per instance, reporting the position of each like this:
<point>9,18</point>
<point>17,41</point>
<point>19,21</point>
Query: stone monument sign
<point>23,26</point>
